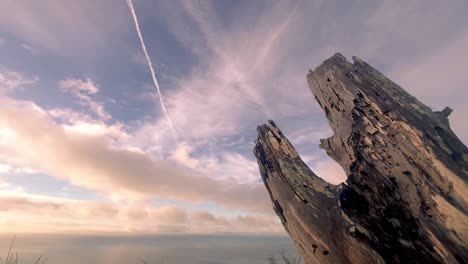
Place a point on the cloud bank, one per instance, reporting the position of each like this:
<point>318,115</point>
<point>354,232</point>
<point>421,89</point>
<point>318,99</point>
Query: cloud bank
<point>56,215</point>
<point>90,161</point>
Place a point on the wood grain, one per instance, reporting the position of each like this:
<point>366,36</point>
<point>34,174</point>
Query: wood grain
<point>405,198</point>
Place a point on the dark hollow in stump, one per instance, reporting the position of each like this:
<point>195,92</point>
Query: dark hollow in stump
<point>405,198</point>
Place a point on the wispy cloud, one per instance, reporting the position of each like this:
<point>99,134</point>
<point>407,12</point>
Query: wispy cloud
<point>29,49</point>
<point>83,90</point>
<point>232,89</point>
<point>77,86</point>
<point>11,80</point>
<point>58,26</point>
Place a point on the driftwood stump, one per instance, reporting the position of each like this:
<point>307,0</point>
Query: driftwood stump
<point>405,198</point>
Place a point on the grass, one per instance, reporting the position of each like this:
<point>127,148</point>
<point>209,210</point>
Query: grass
<point>285,259</point>
<point>12,257</point>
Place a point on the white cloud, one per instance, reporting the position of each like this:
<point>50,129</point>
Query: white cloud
<point>83,90</point>
<point>12,80</point>
<point>77,86</point>
<point>221,164</point>
<point>5,168</point>
<point>182,155</point>
<point>78,122</point>
<point>329,170</point>
<point>8,169</point>
<point>244,76</point>
<point>29,49</point>
<point>236,85</point>
<point>98,129</point>
<point>310,134</point>
<point>232,88</point>
<point>59,215</point>
<point>92,162</point>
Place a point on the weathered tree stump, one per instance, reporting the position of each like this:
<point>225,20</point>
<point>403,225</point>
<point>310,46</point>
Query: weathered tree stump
<point>405,198</point>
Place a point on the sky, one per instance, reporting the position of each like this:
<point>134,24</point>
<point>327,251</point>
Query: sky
<point>88,145</point>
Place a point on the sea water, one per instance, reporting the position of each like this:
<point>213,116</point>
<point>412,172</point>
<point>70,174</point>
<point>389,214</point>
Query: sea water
<point>160,249</point>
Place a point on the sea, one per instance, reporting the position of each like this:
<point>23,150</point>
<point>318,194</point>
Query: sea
<point>155,249</point>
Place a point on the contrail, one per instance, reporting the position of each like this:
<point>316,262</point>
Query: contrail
<point>150,64</point>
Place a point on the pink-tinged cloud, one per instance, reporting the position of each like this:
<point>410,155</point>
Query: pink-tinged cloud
<point>11,80</point>
<point>23,213</point>
<point>92,162</point>
<point>82,90</point>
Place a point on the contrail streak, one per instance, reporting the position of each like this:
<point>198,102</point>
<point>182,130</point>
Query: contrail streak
<point>150,64</point>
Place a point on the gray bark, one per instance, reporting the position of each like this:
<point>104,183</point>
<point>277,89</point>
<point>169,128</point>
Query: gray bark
<point>405,198</point>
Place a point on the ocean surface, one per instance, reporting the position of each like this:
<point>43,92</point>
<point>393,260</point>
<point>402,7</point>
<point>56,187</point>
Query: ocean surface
<point>173,249</point>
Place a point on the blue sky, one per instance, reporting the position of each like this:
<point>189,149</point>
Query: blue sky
<point>83,138</point>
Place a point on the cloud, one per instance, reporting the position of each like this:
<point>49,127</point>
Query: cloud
<point>11,80</point>
<point>77,86</point>
<point>404,33</point>
<point>170,214</point>
<point>83,90</point>
<point>81,123</point>
<point>29,49</point>
<point>223,164</point>
<point>58,25</point>
<point>329,170</point>
<point>92,162</point>
<point>231,90</point>
<point>241,78</point>
<point>245,75</point>
<point>59,215</point>
<point>207,222</point>
<point>8,169</point>
<point>5,168</point>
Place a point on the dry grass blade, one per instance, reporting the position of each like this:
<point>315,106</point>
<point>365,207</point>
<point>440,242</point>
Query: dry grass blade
<point>285,258</point>
<point>12,258</point>
<point>271,260</point>
<point>9,255</point>
<point>38,260</point>
<point>143,261</point>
